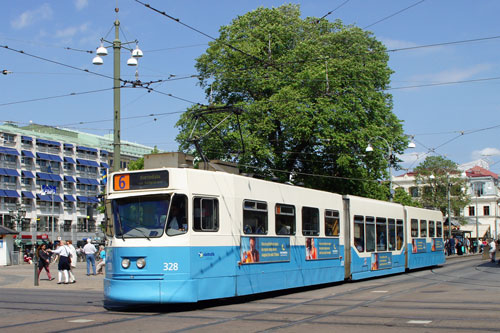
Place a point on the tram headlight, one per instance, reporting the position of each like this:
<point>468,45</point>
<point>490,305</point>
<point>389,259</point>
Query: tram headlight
<point>141,263</point>
<point>125,263</point>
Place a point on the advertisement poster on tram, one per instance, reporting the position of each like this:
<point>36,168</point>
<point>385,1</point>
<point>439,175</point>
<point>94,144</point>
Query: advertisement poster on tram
<point>437,244</point>
<point>419,245</point>
<point>381,261</point>
<point>264,249</point>
<point>322,248</point>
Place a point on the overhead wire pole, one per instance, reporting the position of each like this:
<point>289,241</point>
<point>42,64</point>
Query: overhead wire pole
<point>116,97</point>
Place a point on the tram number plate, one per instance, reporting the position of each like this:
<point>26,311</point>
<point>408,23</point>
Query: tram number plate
<point>170,266</point>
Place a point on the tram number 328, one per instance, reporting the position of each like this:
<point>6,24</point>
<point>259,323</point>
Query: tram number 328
<point>170,266</point>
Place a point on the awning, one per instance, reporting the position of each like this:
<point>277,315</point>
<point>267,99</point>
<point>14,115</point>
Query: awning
<point>47,197</point>
<point>27,153</point>
<point>27,194</point>
<point>93,199</point>
<point>49,157</point>
<point>8,172</point>
<point>93,150</point>
<point>9,194</point>
<point>8,151</point>
<point>69,160</point>
<point>104,152</point>
<point>49,176</point>
<point>48,142</point>
<point>68,145</point>
<point>483,229</point>
<point>105,165</point>
<point>87,162</point>
<point>69,179</point>
<point>82,198</point>
<point>69,198</point>
<point>27,174</point>
<point>87,181</point>
<point>26,138</point>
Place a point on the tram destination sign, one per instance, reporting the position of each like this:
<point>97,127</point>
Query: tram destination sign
<point>140,180</point>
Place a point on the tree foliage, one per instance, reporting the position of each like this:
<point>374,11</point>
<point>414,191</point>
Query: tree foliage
<point>402,197</point>
<point>139,163</point>
<point>434,177</point>
<point>313,97</point>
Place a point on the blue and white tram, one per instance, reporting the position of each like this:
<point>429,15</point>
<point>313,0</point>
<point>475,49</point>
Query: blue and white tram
<point>186,235</point>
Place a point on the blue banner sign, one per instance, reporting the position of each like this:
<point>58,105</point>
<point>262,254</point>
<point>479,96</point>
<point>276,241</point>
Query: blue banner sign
<point>322,248</point>
<point>419,245</point>
<point>264,249</point>
<point>381,261</point>
<point>437,244</point>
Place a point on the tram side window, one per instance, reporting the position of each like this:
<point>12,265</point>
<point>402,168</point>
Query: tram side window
<point>206,214</point>
<point>414,228</point>
<point>370,233</point>
<point>332,223</point>
<point>392,235</point>
<point>285,220</point>
<point>432,230</point>
<point>359,233</point>
<point>439,229</point>
<point>400,235</point>
<point>177,222</point>
<point>423,228</point>
<point>254,217</point>
<point>310,221</point>
<point>381,234</point>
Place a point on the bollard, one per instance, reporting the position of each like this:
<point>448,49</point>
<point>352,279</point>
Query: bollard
<point>35,264</point>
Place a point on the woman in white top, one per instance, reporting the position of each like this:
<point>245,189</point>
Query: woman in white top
<point>64,261</point>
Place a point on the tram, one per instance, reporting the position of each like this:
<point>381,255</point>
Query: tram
<point>180,235</point>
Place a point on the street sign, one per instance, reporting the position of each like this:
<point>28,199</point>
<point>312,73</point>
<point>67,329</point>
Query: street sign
<point>49,189</point>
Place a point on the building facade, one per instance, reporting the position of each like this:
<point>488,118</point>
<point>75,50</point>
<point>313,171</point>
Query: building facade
<point>51,181</point>
<point>483,189</point>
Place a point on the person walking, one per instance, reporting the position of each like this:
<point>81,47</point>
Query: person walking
<point>90,250</point>
<point>493,250</point>
<point>64,262</point>
<point>102,262</point>
<point>73,261</point>
<point>43,261</point>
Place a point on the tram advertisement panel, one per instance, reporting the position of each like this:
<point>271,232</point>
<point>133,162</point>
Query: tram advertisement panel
<point>381,261</point>
<point>322,248</point>
<point>264,249</point>
<point>437,244</point>
<point>419,245</point>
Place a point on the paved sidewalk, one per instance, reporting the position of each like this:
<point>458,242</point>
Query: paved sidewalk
<point>22,276</point>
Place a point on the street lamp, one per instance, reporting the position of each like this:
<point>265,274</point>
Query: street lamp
<point>390,158</point>
<point>135,54</point>
<point>17,215</point>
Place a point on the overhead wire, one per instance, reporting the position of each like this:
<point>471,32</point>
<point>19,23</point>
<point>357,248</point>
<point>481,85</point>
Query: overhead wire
<point>394,14</point>
<point>333,10</point>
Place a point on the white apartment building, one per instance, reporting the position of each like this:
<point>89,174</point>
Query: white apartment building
<point>483,189</point>
<point>74,164</point>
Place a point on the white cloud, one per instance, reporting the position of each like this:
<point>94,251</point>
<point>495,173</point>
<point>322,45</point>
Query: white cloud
<point>485,153</point>
<point>71,31</point>
<point>80,4</point>
<point>452,75</point>
<point>31,17</point>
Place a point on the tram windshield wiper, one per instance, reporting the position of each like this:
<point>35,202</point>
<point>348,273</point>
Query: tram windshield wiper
<point>141,231</point>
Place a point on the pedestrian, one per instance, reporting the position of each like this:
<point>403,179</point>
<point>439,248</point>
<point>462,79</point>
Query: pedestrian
<point>74,259</point>
<point>64,262</point>
<point>102,263</point>
<point>43,261</point>
<point>90,250</point>
<point>452,245</point>
<point>493,250</point>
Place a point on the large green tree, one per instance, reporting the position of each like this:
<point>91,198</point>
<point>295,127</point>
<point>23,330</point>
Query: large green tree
<point>435,177</point>
<point>313,95</point>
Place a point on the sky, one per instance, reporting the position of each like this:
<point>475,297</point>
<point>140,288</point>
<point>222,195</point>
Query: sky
<point>446,96</point>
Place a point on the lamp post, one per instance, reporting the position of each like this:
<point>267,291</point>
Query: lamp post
<point>102,51</point>
<point>369,148</point>
<point>17,215</point>
<point>476,190</point>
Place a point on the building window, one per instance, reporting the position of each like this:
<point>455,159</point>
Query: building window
<point>414,191</point>
<point>472,211</point>
<point>9,138</point>
<point>486,210</point>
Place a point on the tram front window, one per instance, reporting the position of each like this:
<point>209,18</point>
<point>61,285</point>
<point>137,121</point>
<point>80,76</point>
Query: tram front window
<point>140,217</point>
